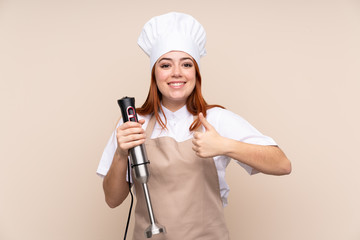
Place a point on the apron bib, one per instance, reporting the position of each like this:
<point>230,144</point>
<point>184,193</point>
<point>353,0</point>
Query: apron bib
<point>184,191</point>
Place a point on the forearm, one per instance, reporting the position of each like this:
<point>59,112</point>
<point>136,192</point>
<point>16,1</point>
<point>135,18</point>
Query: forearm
<point>116,188</point>
<point>265,159</point>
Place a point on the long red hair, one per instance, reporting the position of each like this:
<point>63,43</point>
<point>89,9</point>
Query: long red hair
<point>195,103</point>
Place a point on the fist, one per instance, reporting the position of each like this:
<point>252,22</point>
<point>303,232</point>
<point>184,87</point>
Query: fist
<point>208,143</point>
<point>129,135</point>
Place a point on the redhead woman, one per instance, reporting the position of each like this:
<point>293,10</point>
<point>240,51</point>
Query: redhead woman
<point>188,141</point>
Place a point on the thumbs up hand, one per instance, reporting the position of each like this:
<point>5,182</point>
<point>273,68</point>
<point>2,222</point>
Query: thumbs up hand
<point>208,143</point>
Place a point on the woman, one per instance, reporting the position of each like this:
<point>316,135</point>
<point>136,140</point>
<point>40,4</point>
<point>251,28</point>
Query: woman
<point>189,143</point>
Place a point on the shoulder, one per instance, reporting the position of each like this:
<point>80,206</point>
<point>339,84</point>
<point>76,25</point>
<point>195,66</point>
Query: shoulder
<point>229,124</point>
<point>217,116</point>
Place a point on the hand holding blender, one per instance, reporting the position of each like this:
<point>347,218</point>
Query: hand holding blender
<point>139,163</point>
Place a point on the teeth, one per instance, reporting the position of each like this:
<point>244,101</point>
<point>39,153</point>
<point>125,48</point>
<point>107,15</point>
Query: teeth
<point>177,84</point>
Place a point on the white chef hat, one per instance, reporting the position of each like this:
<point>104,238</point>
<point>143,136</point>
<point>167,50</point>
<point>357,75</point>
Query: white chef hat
<point>173,32</point>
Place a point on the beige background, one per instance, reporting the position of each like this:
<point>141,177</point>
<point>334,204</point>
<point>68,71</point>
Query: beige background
<point>291,68</point>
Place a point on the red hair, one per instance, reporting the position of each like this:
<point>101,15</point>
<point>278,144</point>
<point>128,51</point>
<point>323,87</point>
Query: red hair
<point>195,103</point>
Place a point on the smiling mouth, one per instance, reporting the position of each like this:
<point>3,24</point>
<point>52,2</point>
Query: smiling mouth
<point>176,84</point>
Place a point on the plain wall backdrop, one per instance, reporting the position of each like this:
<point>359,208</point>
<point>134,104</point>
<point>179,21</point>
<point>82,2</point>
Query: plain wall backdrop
<point>291,68</point>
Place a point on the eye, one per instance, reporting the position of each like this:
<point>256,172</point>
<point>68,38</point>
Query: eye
<point>188,65</point>
<point>165,65</point>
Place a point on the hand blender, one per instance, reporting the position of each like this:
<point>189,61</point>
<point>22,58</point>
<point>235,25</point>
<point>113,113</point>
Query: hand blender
<point>139,163</point>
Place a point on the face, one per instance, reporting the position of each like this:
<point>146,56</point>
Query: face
<point>175,76</point>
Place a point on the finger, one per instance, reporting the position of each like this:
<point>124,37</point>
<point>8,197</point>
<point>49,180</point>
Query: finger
<point>131,137</point>
<point>197,153</point>
<point>129,124</point>
<point>195,143</point>
<point>132,144</point>
<point>142,121</point>
<point>196,135</point>
<point>195,149</point>
<point>130,134</point>
<point>124,141</point>
<point>129,131</point>
<point>204,122</point>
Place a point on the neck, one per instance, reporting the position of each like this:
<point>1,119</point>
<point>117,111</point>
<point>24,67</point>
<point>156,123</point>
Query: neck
<point>173,106</point>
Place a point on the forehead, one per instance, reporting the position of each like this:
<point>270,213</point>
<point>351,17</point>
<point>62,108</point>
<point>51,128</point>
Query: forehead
<point>175,55</point>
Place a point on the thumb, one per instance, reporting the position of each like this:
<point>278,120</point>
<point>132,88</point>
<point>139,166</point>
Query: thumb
<point>204,122</point>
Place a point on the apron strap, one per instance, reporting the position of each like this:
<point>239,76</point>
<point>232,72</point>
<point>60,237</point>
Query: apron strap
<point>150,127</point>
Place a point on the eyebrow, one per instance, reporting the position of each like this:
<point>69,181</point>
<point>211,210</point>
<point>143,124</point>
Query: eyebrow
<point>170,59</point>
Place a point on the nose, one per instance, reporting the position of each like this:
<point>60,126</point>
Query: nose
<point>176,71</point>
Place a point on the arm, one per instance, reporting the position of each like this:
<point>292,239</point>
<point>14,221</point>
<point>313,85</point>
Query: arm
<point>116,188</point>
<point>265,159</point>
